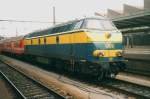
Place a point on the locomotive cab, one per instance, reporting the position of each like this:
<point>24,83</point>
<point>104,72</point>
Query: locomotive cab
<point>105,37</point>
<point>106,42</point>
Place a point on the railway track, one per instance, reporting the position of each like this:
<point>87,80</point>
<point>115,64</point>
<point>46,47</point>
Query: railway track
<point>112,88</point>
<point>137,91</point>
<point>115,88</point>
<point>138,66</point>
<point>27,88</point>
<point>140,72</point>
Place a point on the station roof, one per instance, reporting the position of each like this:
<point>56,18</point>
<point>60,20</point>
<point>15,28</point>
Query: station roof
<point>131,16</point>
<point>141,18</point>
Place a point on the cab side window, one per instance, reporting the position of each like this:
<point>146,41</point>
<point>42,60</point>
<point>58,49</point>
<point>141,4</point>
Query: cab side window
<point>78,25</point>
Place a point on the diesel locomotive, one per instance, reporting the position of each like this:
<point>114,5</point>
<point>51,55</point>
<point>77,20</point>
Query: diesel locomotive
<point>91,46</point>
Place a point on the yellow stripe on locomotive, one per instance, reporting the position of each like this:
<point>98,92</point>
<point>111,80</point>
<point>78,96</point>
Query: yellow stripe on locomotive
<point>84,37</point>
<point>77,37</point>
<point>41,40</point>
<point>51,40</point>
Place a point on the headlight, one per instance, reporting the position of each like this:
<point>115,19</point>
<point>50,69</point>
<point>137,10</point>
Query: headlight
<point>107,35</point>
<point>98,53</point>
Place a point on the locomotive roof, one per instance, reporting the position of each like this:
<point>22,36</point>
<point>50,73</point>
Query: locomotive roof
<point>71,21</point>
<point>62,24</point>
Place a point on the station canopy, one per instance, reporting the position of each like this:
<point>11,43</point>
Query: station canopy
<point>131,16</point>
<point>138,19</point>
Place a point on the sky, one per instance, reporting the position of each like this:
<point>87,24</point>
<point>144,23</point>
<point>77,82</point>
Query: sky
<point>41,10</point>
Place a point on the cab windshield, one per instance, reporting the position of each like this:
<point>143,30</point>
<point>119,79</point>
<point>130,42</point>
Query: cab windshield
<point>100,24</point>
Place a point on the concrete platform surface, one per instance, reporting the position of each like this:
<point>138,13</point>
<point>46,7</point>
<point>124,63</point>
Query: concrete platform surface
<point>59,81</point>
<point>133,78</point>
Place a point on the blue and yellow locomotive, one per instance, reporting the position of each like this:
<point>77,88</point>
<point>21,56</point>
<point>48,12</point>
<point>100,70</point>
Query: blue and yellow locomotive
<point>88,46</point>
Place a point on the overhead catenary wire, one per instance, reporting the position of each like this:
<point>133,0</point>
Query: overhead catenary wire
<point>3,20</point>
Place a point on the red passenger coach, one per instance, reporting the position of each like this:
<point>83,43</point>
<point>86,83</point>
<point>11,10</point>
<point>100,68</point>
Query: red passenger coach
<point>18,47</point>
<point>14,45</point>
<point>1,47</point>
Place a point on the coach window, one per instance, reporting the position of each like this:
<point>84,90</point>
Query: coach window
<point>17,43</point>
